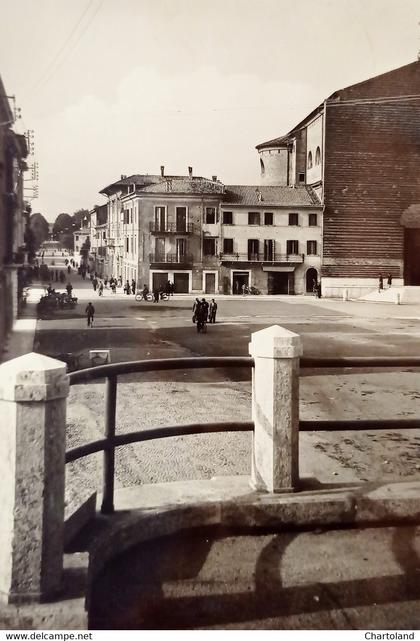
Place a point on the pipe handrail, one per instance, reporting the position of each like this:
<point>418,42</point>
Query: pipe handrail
<point>359,362</point>
<point>158,364</point>
<point>159,432</point>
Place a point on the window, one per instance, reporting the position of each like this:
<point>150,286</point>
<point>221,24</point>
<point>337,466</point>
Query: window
<point>181,218</point>
<point>210,217</point>
<point>269,250</point>
<point>228,218</point>
<point>313,220</point>
<point>228,245</point>
<point>126,245</point>
<point>317,156</point>
<point>268,218</point>
<point>160,218</point>
<point>292,247</point>
<point>253,249</point>
<point>209,246</point>
<point>310,162</point>
<point>104,235</point>
<point>311,247</point>
<point>77,237</point>
<point>294,219</point>
<point>301,178</point>
<point>254,218</point>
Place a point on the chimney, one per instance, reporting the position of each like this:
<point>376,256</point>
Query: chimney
<point>214,179</point>
<point>123,176</point>
<point>190,172</point>
<point>162,170</point>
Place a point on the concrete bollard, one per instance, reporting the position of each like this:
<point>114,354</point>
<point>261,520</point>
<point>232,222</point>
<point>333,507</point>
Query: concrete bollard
<point>345,294</point>
<point>33,391</point>
<point>398,299</point>
<point>275,409</point>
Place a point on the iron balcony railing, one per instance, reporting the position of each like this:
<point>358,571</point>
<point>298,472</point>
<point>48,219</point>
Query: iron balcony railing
<point>171,228</point>
<point>181,259</point>
<point>263,257</point>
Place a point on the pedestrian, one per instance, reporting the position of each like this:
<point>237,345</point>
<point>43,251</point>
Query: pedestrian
<point>101,288</point>
<point>68,269</point>
<point>156,294</point>
<point>381,283</point>
<point>244,290</point>
<point>318,290</point>
<point>69,288</point>
<point>389,281</point>
<point>119,281</point>
<point>106,281</point>
<point>90,312</point>
<point>204,304</point>
<point>212,311</point>
<point>133,286</point>
<point>168,288</point>
<point>127,288</point>
<point>94,283</point>
<point>172,288</point>
<point>114,286</point>
<point>195,307</point>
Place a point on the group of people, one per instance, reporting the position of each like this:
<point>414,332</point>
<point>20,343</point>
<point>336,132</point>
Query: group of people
<point>381,281</point>
<point>203,312</point>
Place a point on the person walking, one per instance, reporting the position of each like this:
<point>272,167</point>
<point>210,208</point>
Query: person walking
<point>389,281</point>
<point>113,285</point>
<point>95,283</point>
<point>204,304</point>
<point>212,311</point>
<point>156,294</point>
<point>133,286</point>
<point>101,288</point>
<point>106,281</point>
<point>90,312</point>
<point>119,281</point>
<point>380,283</point>
<point>68,269</point>
<point>69,288</point>
<point>195,307</point>
<point>127,289</point>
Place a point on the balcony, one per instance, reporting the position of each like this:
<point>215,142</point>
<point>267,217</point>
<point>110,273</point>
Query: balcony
<point>270,258</point>
<point>171,259</point>
<point>171,228</point>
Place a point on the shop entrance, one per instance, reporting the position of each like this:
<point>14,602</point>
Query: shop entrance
<point>181,282</point>
<point>311,279</point>
<point>159,280</point>
<point>239,279</point>
<point>279,282</point>
<point>210,283</point>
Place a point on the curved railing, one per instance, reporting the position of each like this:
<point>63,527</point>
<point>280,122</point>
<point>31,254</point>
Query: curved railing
<point>108,444</point>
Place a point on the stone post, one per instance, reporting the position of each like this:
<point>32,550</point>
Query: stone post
<point>275,409</point>
<point>33,391</point>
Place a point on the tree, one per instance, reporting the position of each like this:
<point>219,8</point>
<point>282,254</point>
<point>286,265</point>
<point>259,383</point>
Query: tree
<point>39,228</point>
<point>78,217</point>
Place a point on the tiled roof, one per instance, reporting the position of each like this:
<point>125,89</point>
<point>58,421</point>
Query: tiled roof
<point>282,141</point>
<point>286,196</point>
<point>196,185</point>
<point>143,180</point>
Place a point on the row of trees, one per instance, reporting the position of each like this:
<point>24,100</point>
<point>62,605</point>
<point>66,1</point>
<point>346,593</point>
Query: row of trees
<point>63,228</point>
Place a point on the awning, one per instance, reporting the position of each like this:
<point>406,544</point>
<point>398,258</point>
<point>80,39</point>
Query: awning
<point>278,268</point>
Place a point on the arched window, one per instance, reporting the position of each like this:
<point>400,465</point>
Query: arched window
<point>310,160</point>
<point>262,167</point>
<point>318,156</point>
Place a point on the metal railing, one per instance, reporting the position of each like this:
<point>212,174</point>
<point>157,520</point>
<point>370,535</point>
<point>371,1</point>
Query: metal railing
<point>262,257</point>
<point>181,259</point>
<point>171,228</point>
<point>112,440</point>
<point>111,372</point>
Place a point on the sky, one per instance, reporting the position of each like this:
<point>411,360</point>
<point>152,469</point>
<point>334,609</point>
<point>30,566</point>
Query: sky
<point>115,87</point>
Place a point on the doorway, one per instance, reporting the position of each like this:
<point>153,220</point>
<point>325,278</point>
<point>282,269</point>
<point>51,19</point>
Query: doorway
<point>311,278</point>
<point>159,280</point>
<point>181,219</point>
<point>210,283</point>
<point>279,282</point>
<point>411,256</point>
<point>181,283</point>
<point>238,280</point>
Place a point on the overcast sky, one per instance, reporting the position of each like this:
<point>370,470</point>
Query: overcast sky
<point>117,87</point>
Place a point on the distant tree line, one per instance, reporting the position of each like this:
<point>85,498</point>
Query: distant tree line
<point>63,228</point>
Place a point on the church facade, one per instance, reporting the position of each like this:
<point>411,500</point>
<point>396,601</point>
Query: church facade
<point>360,153</point>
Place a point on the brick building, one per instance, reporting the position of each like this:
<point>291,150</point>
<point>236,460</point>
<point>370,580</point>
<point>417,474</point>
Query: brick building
<point>360,152</point>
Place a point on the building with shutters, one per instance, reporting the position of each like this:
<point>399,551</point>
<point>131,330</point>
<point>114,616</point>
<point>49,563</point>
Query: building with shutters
<point>359,151</point>
<point>270,239</point>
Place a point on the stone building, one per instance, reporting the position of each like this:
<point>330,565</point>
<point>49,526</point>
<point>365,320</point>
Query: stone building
<point>169,230</point>
<point>98,225</point>
<point>359,151</point>
<point>270,239</point>
<point>14,216</point>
